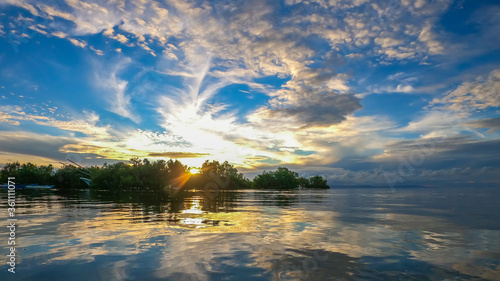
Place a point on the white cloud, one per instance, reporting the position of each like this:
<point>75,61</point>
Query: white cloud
<point>437,123</point>
<point>59,34</point>
<point>98,52</point>
<point>55,12</point>
<point>78,43</point>
<point>118,37</point>
<point>245,41</point>
<point>85,124</point>
<point>247,37</point>
<point>8,119</point>
<point>388,42</point>
<point>39,28</point>
<point>106,141</point>
<point>92,18</point>
<point>430,39</point>
<point>400,88</point>
<point>471,96</point>
<point>22,4</point>
<point>115,89</point>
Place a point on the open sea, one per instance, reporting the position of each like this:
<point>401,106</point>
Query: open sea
<point>337,234</point>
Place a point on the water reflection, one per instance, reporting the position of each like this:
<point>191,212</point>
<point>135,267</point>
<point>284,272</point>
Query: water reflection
<point>256,235</point>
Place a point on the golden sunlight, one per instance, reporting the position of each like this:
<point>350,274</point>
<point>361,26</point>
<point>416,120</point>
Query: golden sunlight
<point>194,170</point>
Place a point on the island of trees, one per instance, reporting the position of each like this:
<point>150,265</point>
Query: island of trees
<point>145,175</point>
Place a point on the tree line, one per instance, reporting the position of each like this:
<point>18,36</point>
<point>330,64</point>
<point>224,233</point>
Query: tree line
<point>143,174</point>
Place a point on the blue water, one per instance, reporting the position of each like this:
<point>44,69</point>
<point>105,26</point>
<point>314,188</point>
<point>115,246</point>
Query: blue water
<point>338,234</point>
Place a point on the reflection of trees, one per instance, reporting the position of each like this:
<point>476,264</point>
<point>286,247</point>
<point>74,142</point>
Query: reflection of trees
<point>222,201</point>
<point>33,198</point>
<point>166,204</point>
<point>284,200</point>
<point>276,198</point>
<point>152,201</point>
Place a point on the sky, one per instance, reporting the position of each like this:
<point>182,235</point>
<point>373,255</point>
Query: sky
<point>361,92</point>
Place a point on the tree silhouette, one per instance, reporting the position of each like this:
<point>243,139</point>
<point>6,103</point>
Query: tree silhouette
<point>156,176</point>
<point>284,179</point>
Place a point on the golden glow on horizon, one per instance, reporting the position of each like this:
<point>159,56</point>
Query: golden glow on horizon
<point>194,170</point>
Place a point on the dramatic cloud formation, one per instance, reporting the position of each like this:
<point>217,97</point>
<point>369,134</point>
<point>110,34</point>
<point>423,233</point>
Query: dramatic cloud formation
<point>477,95</point>
<point>340,86</point>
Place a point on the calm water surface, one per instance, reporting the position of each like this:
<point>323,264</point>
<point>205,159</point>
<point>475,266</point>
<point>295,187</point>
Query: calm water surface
<point>338,234</point>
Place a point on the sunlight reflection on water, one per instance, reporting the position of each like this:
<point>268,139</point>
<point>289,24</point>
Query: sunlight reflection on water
<point>344,234</point>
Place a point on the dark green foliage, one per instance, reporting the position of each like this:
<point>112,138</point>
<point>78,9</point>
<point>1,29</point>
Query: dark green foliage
<point>118,176</point>
<point>156,176</point>
<point>28,173</point>
<point>69,177</point>
<point>318,182</point>
<point>215,175</point>
<point>176,171</point>
<point>283,178</point>
<point>304,183</point>
<point>9,170</point>
<point>227,172</point>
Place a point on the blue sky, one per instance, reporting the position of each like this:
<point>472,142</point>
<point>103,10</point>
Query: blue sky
<point>361,92</point>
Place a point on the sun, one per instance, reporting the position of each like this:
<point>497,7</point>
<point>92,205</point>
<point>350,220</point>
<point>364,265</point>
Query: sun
<point>194,170</point>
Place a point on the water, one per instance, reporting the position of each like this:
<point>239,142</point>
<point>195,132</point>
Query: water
<point>338,234</point>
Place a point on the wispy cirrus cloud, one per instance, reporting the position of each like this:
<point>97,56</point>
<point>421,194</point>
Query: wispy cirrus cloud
<point>107,80</point>
<point>474,95</point>
<point>85,124</point>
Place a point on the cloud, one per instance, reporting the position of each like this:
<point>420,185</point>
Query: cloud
<point>313,97</point>
<point>492,124</point>
<point>400,88</point>
<point>102,141</point>
<point>441,177</point>
<point>9,119</point>
<point>457,152</point>
<point>53,11</point>
<point>456,111</point>
<point>471,96</point>
<point>178,154</point>
<point>39,145</point>
<point>430,39</point>
<point>321,109</point>
<point>118,37</point>
<point>186,112</point>
<point>437,161</point>
<point>39,28</point>
<point>307,53</point>
<point>115,88</point>
<point>78,43</point>
<point>91,18</point>
<point>22,4</point>
<point>98,52</point>
<point>271,48</point>
<point>387,42</point>
<point>85,124</point>
<point>437,123</point>
<point>59,34</point>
